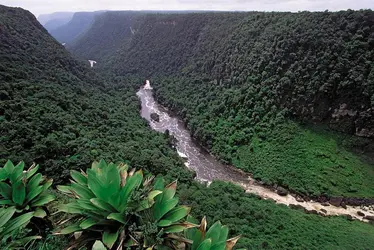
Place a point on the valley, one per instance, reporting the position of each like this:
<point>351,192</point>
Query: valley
<point>265,119</point>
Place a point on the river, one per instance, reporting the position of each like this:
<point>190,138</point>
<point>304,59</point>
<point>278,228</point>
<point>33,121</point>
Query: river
<point>208,169</point>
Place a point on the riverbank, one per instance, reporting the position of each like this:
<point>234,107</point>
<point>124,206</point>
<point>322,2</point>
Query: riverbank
<point>208,169</point>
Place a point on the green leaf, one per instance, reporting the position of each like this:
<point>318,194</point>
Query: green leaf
<point>31,171</point>
<point>169,191</point>
<point>64,189</point>
<point>3,174</point>
<point>16,223</point>
<point>214,231</point>
<point>6,214</point>
<point>113,183</point>
<point>82,191</point>
<point>103,205</point>
<point>89,222</point>
<point>34,193</point>
<point>219,246</point>
<point>42,200</point>
<point>110,238</point>
<point>224,233</point>
<point>197,237</point>
<point>78,177</point>
<point>40,213</point>
<point>132,183</point>
<point>47,184</point>
<point>118,217</point>
<point>19,192</point>
<point>96,186</point>
<point>9,167</point>
<point>177,213</point>
<point>205,245</point>
<point>71,208</point>
<point>5,190</point>
<point>164,223</point>
<point>17,174</point>
<point>153,194</point>
<point>70,229</point>
<point>98,246</point>
<point>160,209</point>
<point>88,206</point>
<point>7,202</point>
<point>144,204</point>
<point>34,181</point>
<point>174,229</point>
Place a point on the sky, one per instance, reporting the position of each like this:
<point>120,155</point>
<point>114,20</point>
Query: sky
<point>38,7</point>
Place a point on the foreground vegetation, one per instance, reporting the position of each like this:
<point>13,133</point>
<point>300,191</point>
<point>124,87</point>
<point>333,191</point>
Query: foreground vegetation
<point>142,211</point>
<point>111,203</point>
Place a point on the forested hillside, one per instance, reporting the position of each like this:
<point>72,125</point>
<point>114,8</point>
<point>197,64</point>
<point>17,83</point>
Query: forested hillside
<point>110,31</point>
<point>79,23</point>
<point>241,94</point>
<point>58,113</point>
<point>62,115</point>
<point>55,20</point>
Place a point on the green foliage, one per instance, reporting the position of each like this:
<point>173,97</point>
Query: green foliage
<point>62,115</point>
<point>293,153</point>
<point>122,208</point>
<point>214,238</point>
<point>24,190</point>
<point>263,224</point>
<point>268,69</point>
<point>23,194</point>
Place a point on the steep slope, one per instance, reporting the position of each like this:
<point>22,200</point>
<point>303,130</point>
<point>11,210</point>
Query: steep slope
<point>56,23</point>
<point>59,17</point>
<point>242,93</point>
<point>56,112</point>
<point>79,23</point>
<point>109,32</point>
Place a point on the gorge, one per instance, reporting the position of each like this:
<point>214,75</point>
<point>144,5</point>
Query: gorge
<point>208,169</point>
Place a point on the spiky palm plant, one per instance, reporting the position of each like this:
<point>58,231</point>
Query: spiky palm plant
<point>121,208</point>
<point>23,194</point>
<point>25,190</point>
<point>215,238</point>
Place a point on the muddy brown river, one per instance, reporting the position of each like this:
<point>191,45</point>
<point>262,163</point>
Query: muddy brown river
<point>208,169</point>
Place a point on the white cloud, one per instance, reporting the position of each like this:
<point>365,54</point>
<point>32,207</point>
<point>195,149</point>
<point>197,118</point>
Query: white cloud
<point>49,6</point>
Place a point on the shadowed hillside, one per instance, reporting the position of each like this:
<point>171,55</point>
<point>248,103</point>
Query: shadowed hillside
<point>78,24</point>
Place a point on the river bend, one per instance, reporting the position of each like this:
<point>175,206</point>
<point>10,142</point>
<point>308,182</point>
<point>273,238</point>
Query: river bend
<point>207,168</point>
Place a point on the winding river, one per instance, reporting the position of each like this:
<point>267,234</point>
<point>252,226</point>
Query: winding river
<point>207,168</point>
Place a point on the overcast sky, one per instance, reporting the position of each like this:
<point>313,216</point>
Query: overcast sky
<point>48,6</point>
